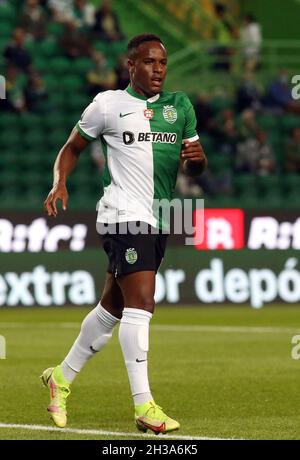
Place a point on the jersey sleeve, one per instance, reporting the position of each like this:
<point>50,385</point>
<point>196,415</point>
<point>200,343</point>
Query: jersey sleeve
<point>189,131</point>
<point>92,121</point>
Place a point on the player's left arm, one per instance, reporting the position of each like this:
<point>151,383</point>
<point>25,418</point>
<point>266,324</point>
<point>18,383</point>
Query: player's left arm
<point>193,158</point>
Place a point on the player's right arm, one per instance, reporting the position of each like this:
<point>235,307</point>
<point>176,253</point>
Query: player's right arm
<point>64,164</point>
<point>89,127</point>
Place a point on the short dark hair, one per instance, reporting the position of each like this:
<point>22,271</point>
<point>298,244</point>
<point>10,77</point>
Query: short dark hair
<point>136,41</point>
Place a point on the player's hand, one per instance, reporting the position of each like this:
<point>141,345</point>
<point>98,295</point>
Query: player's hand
<point>58,192</point>
<point>194,159</point>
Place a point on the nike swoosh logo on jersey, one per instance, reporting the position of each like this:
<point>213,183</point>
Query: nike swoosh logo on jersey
<point>125,114</point>
<point>140,360</point>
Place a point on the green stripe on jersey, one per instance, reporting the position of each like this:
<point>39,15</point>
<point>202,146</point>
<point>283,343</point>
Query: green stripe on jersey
<point>169,116</point>
<point>83,134</point>
<point>106,173</point>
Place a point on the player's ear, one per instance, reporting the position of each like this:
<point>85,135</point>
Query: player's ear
<point>130,64</point>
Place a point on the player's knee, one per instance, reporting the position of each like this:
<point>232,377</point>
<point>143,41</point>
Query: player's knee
<point>147,303</point>
<point>113,308</point>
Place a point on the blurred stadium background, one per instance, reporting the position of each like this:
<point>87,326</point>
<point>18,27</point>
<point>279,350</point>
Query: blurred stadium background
<point>238,60</point>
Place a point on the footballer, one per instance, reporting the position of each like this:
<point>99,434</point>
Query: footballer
<point>146,134</point>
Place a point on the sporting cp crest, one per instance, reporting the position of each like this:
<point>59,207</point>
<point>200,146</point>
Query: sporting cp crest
<point>131,255</point>
<point>148,113</point>
<point>170,113</point>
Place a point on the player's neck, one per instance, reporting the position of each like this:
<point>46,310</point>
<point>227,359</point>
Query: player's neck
<point>139,92</point>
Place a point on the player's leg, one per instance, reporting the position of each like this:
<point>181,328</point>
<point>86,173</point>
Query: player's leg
<point>96,331</point>
<point>138,292</point>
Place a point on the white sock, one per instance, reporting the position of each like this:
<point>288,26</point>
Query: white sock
<point>96,330</point>
<point>134,340</point>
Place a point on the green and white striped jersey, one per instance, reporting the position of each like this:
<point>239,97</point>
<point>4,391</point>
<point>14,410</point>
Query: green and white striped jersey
<point>142,140</point>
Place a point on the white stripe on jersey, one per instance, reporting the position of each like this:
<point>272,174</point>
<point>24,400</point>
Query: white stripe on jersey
<point>130,194</point>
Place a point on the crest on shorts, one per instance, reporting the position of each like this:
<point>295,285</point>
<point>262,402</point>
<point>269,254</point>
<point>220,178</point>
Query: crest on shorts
<point>131,255</point>
<point>170,113</point>
<point>148,113</point>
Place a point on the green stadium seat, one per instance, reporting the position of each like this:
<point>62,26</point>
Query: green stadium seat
<point>3,44</point>
<point>225,201</point>
<point>56,139</point>
<point>71,83</point>
<point>104,47</point>
<point>10,140</point>
<point>7,13</point>
<point>29,121</point>
<point>118,47</point>
<point>79,180</point>
<point>268,184</point>
<point>274,136</point>
<point>52,82</point>
<point>34,139</point>
<point>9,160</point>
<point>51,122</point>
<point>76,104</point>
<point>48,48</point>
<point>10,199</point>
<point>288,122</point>
<point>31,160</point>
<point>34,197</point>
<point>9,121</point>
<point>39,160</point>
<point>42,65</point>
<point>291,184</point>
<point>82,66</point>
<point>56,29</point>
<point>82,198</point>
<point>219,103</point>
<point>270,192</point>
<point>248,201</point>
<point>219,163</point>
<point>6,29</point>
<point>48,158</point>
<point>245,185</point>
<point>71,120</point>
<point>209,202</point>
<point>267,122</point>
<point>207,143</point>
<point>35,179</point>
<point>60,66</point>
<point>292,200</point>
<point>57,99</point>
<point>9,178</point>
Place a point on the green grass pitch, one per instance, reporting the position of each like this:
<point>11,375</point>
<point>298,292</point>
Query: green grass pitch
<point>222,372</point>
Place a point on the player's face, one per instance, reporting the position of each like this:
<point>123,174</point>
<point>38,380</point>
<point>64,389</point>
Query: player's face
<point>148,71</point>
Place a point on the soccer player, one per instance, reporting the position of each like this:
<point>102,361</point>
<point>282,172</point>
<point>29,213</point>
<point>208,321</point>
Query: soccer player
<point>146,134</point>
